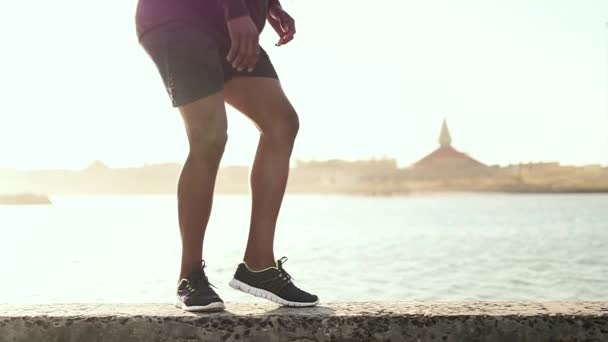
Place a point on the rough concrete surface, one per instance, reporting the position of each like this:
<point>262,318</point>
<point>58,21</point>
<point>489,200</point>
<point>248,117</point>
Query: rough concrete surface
<point>419,322</point>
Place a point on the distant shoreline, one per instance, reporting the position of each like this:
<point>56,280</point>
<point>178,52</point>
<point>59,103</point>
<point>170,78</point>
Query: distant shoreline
<point>355,193</point>
<point>24,199</point>
<point>367,177</point>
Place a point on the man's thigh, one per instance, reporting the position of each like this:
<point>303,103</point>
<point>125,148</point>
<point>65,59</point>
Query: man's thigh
<point>205,119</point>
<point>260,98</point>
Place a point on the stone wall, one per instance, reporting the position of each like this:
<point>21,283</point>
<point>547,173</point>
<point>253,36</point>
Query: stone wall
<point>501,322</point>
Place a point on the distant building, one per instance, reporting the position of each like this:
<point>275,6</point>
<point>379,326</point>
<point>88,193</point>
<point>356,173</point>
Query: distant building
<point>446,161</point>
<point>97,167</point>
<point>338,172</point>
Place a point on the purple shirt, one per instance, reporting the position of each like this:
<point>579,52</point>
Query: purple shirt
<point>211,13</point>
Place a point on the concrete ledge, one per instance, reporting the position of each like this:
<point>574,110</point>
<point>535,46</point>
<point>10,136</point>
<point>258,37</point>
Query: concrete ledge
<point>501,322</point>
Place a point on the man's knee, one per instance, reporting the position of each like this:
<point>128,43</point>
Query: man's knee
<point>207,143</point>
<point>284,129</point>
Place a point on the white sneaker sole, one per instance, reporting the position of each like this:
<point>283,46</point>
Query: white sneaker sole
<point>239,285</point>
<point>212,307</point>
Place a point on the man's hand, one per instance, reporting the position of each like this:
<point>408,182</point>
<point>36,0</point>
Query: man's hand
<point>245,49</point>
<point>282,23</point>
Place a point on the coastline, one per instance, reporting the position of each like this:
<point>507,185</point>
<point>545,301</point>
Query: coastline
<point>24,199</point>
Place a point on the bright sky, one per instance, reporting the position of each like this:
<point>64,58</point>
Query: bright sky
<point>518,80</point>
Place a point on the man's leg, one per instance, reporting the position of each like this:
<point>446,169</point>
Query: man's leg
<point>263,101</point>
<point>206,127</point>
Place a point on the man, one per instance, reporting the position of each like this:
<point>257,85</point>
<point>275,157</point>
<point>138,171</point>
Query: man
<point>207,53</point>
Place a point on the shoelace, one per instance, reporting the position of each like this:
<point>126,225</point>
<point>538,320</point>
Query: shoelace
<point>199,283</point>
<point>282,273</point>
<point>200,286</point>
<point>284,277</point>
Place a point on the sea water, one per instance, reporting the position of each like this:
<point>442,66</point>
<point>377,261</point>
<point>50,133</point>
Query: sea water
<point>343,248</point>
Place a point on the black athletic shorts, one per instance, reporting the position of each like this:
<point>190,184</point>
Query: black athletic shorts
<point>192,61</point>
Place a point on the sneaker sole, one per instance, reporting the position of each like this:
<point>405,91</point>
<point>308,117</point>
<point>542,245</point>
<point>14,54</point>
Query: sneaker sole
<point>239,285</point>
<point>212,307</point>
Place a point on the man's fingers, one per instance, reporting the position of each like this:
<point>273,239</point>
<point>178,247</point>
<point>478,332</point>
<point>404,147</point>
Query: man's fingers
<point>241,61</point>
<point>246,54</point>
<point>241,54</point>
<point>250,55</point>
<point>253,60</point>
<point>286,39</point>
<point>287,23</point>
<point>292,27</point>
<point>234,49</point>
<point>289,29</point>
<point>244,36</point>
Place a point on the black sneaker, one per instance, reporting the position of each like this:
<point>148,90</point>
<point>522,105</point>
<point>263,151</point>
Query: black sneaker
<point>194,293</point>
<point>274,284</point>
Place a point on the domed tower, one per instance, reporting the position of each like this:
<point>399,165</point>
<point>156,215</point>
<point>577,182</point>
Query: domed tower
<point>446,160</point>
<point>445,139</point>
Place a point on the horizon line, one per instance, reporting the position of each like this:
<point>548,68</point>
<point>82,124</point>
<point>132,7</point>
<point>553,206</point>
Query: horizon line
<point>371,159</point>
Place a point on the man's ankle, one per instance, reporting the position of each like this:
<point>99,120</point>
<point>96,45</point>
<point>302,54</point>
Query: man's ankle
<point>189,269</point>
<point>259,264</point>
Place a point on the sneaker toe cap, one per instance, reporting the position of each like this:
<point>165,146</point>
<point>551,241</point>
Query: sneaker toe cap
<point>312,298</point>
<point>201,300</point>
<point>294,294</point>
